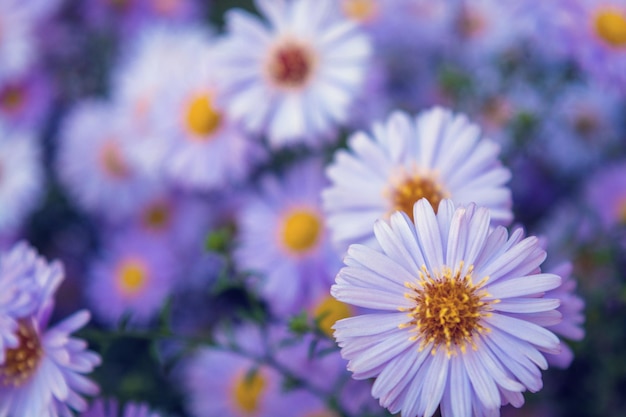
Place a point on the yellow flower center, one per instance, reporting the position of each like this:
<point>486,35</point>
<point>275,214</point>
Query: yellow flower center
<point>447,309</point>
<point>157,216</point>
<point>290,65</point>
<point>248,390</point>
<point>301,231</point>
<point>202,118</point>
<point>112,161</point>
<point>360,10</point>
<point>610,26</point>
<point>132,276</point>
<point>328,311</point>
<point>413,188</point>
<point>21,362</point>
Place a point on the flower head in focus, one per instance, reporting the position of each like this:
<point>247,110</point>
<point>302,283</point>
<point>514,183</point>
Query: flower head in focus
<point>436,155</point>
<point>43,373</point>
<point>294,76</point>
<point>461,321</point>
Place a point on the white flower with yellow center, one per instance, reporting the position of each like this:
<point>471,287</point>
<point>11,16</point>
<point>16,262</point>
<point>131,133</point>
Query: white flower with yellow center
<point>294,77</point>
<point>435,155</point>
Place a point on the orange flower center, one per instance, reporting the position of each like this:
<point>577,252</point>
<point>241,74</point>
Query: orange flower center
<point>414,188</point>
<point>610,26</point>
<point>132,276</point>
<point>291,65</point>
<point>112,160</point>
<point>447,309</point>
<point>202,118</point>
<point>247,390</point>
<point>157,216</point>
<point>301,230</point>
<point>12,97</point>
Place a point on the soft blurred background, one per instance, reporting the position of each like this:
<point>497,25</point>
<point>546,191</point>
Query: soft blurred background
<point>87,88</point>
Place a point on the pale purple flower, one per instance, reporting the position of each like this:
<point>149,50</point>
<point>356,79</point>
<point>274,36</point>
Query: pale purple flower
<point>293,76</point>
<point>462,316</point>
<point>43,374</point>
<point>221,381</point>
<point>283,238</point>
<point>20,268</point>
<point>434,155</point>
<point>133,275</point>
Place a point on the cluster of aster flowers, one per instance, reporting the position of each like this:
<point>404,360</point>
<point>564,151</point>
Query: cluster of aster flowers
<point>314,208</point>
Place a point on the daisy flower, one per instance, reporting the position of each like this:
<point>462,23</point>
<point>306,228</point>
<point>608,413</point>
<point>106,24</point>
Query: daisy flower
<point>436,155</point>
<point>159,54</point>
<point>597,39</point>
<point>21,177</point>
<point>43,374</point>
<point>133,275</point>
<point>207,150</point>
<point>484,28</point>
<point>283,238</point>
<point>110,408</point>
<point>20,290</point>
<point>220,382</point>
<point>294,77</point>
<point>94,166</point>
<point>461,321</point>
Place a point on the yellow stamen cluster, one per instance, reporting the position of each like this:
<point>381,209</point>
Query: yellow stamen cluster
<point>132,276</point>
<point>301,231</point>
<point>610,25</point>
<point>412,189</point>
<point>248,390</point>
<point>21,362</point>
<point>202,117</point>
<point>290,65</point>
<point>447,309</point>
